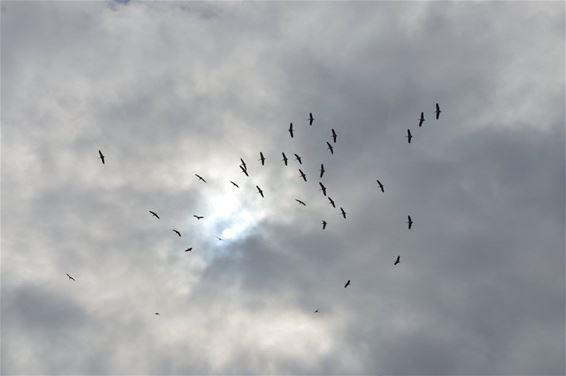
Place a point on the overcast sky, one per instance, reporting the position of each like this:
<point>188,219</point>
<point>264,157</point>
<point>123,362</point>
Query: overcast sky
<point>170,90</point>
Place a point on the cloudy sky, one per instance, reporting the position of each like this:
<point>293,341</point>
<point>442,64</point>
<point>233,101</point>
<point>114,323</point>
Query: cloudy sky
<point>173,89</point>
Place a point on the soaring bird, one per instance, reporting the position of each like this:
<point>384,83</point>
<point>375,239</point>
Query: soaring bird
<point>409,221</point>
<point>303,175</point>
<point>298,158</point>
<point>284,158</point>
<point>324,223</point>
<point>234,184</point>
<point>347,284</point>
<point>343,212</point>
<point>200,178</point>
<point>189,249</point>
<point>380,185</point>
<point>409,135</point>
<point>156,313</point>
<point>330,147</point>
<point>331,202</point>
<point>219,238</point>
<point>261,158</point>
<point>422,119</point>
<point>300,202</point>
<point>322,188</point>
<point>333,136</point>
<point>198,217</point>
<point>311,118</point>
<point>437,111</point>
<point>291,129</point>
<point>322,170</point>
<point>244,170</point>
<point>259,190</point>
<point>101,156</point>
<point>71,278</point>
<point>177,232</point>
<point>398,260</point>
<point>154,214</point>
<point>243,164</point>
<point>316,311</point>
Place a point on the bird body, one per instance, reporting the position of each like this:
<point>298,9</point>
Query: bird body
<point>71,278</point>
<point>101,156</point>
<point>298,158</point>
<point>261,158</point>
<point>343,213</point>
<point>300,202</point>
<point>311,118</point>
<point>244,170</point>
<point>234,184</point>
<point>316,311</point>
<point>322,188</point>
<point>324,223</point>
<point>200,178</point>
<point>398,260</point>
<point>347,284</point>
<point>322,170</point>
<point>422,119</point>
<point>303,175</point>
<point>189,249</point>
<point>437,112</point>
<point>409,136</point>
<point>154,214</point>
<point>177,232</point>
<point>259,190</point>
<point>198,217</point>
<point>330,147</point>
<point>409,221</point>
<point>331,202</point>
<point>284,158</point>
<point>291,129</point>
<point>380,185</point>
<point>333,136</point>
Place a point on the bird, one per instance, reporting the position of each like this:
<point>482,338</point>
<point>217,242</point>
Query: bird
<point>156,313</point>
<point>311,118</point>
<point>343,212</point>
<point>409,221</point>
<point>298,158</point>
<point>331,202</point>
<point>333,136</point>
<point>71,278</point>
<point>422,119</point>
<point>243,163</point>
<point>177,232</point>
<point>259,190</point>
<point>261,158</point>
<point>219,238</point>
<point>291,129</point>
<point>322,170</point>
<point>101,156</point>
<point>322,188</point>
<point>154,214</point>
<point>200,178</point>
<point>437,111</point>
<point>189,249</point>
<point>347,284</point>
<point>198,217</point>
<point>234,184</point>
<point>324,223</point>
<point>303,175</point>
<point>284,158</point>
<point>244,170</point>
<point>330,147</point>
<point>398,260</point>
<point>409,135</point>
<point>316,311</point>
<point>300,202</point>
<point>380,185</point>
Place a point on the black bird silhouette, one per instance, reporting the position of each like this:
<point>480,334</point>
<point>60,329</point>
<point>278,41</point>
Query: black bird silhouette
<point>409,221</point>
<point>322,170</point>
<point>200,178</point>
<point>177,232</point>
<point>311,118</point>
<point>343,212</point>
<point>154,214</point>
<point>409,135</point>
<point>422,119</point>
<point>261,158</point>
<point>291,129</point>
<point>219,238</point>
<point>244,170</point>
<point>300,202</point>
<point>284,158</point>
<point>198,217</point>
<point>437,111</point>
<point>303,175</point>
<point>71,278</point>
<point>298,158</point>
<point>189,249</point>
<point>243,164</point>
<point>234,184</point>
<point>322,188</point>
<point>347,284</point>
<point>330,147</point>
<point>101,156</point>
<point>380,185</point>
<point>333,136</point>
<point>324,223</point>
<point>259,190</point>
<point>316,311</point>
<point>397,261</point>
<point>156,313</point>
<point>331,202</point>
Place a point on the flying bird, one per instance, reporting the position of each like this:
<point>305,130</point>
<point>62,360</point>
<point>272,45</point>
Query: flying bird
<point>243,164</point>
<point>156,313</point>
<point>311,118</point>
<point>333,136</point>
<point>331,202</point>
<point>189,249</point>
<point>244,170</point>
<point>234,184</point>
<point>177,232</point>
<point>322,170</point>
<point>409,135</point>
<point>316,311</point>
<point>437,111</point>
<point>71,278</point>
<point>322,188</point>
<point>300,202</point>
<point>398,260</point>
<point>409,221</point>
<point>154,214</point>
<point>347,284</point>
<point>284,158</point>
<point>324,223</point>
<point>200,178</point>
<point>219,238</point>
<point>259,190</point>
<point>343,212</point>
<point>422,119</point>
<point>330,147</point>
<point>198,217</point>
<point>261,158</point>
<point>291,129</point>
<point>101,156</point>
<point>303,175</point>
<point>380,185</point>
<point>298,158</point>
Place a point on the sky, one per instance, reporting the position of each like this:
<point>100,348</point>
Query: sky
<point>167,90</point>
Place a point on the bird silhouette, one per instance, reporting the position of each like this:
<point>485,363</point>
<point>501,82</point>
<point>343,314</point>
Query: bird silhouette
<point>243,164</point>
<point>324,223</point>
<point>398,260</point>
<point>347,284</point>
<point>244,170</point>
<point>156,313</point>
<point>234,184</point>
<point>331,202</point>
<point>284,158</point>
<point>189,249</point>
<point>422,119</point>
<point>300,202</point>
<point>333,136</point>
<point>177,232</point>
<point>380,186</point>
<point>71,278</point>
<point>200,178</point>
<point>322,170</point>
<point>409,135</point>
<point>409,221</point>
<point>316,311</point>
<point>198,217</point>
<point>322,188</point>
<point>343,212</point>
<point>330,147</point>
<point>261,158</point>
<point>291,129</point>
<point>303,175</point>
<point>259,190</point>
<point>298,158</point>
<point>219,238</point>
<point>437,112</point>
<point>101,156</point>
<point>311,118</point>
<point>154,214</point>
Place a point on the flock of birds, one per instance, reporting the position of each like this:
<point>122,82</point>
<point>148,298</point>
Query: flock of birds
<point>244,169</point>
